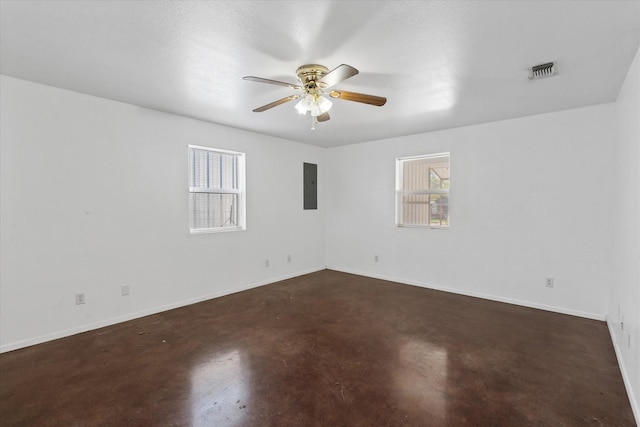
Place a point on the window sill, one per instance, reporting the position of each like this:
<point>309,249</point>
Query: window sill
<point>215,230</point>
<point>428,227</point>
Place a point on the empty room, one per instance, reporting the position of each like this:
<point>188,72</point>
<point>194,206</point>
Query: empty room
<point>319,213</point>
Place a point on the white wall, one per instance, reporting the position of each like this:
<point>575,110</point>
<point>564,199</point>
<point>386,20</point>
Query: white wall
<point>624,307</point>
<point>94,195</point>
<point>530,199</point>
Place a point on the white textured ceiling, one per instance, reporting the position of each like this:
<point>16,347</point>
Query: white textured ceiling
<point>441,64</point>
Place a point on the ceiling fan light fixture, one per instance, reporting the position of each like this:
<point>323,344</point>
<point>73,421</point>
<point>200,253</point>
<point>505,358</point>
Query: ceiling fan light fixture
<point>302,106</point>
<point>314,104</point>
<point>321,106</point>
<point>306,104</point>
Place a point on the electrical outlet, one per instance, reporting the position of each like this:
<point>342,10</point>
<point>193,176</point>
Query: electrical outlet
<point>266,263</point>
<point>288,258</point>
<point>549,282</point>
<point>376,258</point>
<point>125,290</point>
<point>80,298</point>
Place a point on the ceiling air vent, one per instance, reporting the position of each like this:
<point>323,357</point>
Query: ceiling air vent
<point>542,71</point>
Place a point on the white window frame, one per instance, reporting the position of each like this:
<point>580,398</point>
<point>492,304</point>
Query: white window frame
<point>240,191</point>
<point>400,192</point>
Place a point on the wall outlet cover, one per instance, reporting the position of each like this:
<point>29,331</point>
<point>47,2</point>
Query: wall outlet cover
<point>80,299</point>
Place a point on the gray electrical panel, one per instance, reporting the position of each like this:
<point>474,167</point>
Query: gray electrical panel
<point>310,186</point>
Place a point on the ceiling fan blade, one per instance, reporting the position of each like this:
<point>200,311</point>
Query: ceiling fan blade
<point>273,82</point>
<point>323,117</point>
<point>276,103</point>
<point>338,74</point>
<point>378,101</point>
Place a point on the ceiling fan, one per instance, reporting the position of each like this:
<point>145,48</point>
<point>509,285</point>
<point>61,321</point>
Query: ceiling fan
<point>315,84</point>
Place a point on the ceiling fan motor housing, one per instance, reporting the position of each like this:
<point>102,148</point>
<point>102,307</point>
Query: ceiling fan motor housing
<point>310,75</point>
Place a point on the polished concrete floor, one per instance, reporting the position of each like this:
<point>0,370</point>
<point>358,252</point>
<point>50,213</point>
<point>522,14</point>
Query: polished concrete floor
<point>325,349</point>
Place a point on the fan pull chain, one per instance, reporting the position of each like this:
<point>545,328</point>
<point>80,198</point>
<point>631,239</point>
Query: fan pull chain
<point>313,122</point>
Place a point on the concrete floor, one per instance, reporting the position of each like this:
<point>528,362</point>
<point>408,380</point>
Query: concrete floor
<point>325,349</point>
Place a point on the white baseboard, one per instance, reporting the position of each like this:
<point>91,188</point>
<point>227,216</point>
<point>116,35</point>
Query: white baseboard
<point>625,376</point>
<point>131,316</point>
<point>561,310</point>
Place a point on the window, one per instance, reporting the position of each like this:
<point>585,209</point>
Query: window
<point>216,190</point>
<point>422,191</point>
